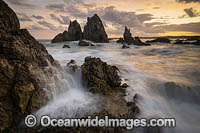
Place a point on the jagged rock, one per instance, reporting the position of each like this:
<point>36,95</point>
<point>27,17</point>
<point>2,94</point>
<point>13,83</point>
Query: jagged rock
<point>23,61</point>
<point>128,36</point>
<point>160,39</point>
<point>74,33</point>
<point>131,40</point>
<point>72,64</point>
<point>66,46</point>
<point>100,77</point>
<point>94,30</point>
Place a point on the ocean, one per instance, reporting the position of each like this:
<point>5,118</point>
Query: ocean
<point>165,77</point>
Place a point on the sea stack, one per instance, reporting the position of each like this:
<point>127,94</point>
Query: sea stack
<point>128,36</point>
<point>74,33</point>
<point>94,30</point>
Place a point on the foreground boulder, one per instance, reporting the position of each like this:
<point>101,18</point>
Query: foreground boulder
<point>94,30</point>
<point>101,78</point>
<point>74,33</point>
<point>159,39</point>
<point>23,62</point>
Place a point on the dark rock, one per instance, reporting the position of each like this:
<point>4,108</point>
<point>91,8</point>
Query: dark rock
<point>128,36</point>
<point>74,33</point>
<point>100,77</point>
<point>66,46</point>
<point>84,43</point>
<point>194,42</point>
<point>160,39</point>
<point>72,64</point>
<point>121,40</point>
<point>94,30</point>
<point>23,62</point>
<point>125,46</point>
<point>130,40</point>
<point>178,41</point>
<point>8,18</point>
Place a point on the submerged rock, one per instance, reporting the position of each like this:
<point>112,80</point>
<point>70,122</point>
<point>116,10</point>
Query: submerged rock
<point>66,46</point>
<point>84,43</point>
<point>23,62</point>
<point>121,40</point>
<point>94,30</point>
<point>74,33</point>
<point>159,39</point>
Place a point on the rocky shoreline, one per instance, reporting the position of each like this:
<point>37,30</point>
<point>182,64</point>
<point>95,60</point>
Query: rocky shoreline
<point>24,62</point>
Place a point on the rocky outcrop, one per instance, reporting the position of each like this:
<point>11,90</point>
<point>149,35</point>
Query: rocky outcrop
<point>128,36</point>
<point>94,30</point>
<point>74,33</point>
<point>159,39</point>
<point>128,39</point>
<point>23,62</point>
<point>125,46</point>
<point>101,78</point>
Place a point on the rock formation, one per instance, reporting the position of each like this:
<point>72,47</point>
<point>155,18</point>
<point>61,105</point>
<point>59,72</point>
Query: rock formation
<point>193,42</point>
<point>101,78</point>
<point>23,60</point>
<point>128,36</point>
<point>74,33</point>
<point>128,39</point>
<point>85,43</point>
<point>94,30</point>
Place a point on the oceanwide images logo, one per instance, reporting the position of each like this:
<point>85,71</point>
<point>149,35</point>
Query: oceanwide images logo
<point>47,121</point>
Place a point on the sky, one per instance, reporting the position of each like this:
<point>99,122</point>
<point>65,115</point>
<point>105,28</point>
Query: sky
<point>46,18</point>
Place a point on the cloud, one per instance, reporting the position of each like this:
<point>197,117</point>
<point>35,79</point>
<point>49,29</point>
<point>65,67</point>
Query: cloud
<point>129,19</point>
<point>21,3</point>
<point>37,17</point>
<point>191,12</point>
<point>63,20</point>
<point>188,1</point>
<point>56,7</point>
<point>35,27</point>
<point>23,17</point>
<point>47,25</point>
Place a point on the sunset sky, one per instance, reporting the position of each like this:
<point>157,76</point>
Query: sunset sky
<point>46,18</point>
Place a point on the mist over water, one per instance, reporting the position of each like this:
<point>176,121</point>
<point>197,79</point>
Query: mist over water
<point>148,71</point>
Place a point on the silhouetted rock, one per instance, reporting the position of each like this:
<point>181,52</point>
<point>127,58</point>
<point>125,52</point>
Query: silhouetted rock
<point>74,33</point>
<point>23,62</point>
<point>160,39</point>
<point>186,42</point>
<point>128,36</point>
<point>66,46</point>
<point>94,30</point>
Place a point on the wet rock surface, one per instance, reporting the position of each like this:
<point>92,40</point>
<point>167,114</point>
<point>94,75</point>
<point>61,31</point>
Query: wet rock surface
<point>84,43</point>
<point>22,62</point>
<point>188,41</point>
<point>74,33</point>
<point>94,30</point>
<point>66,46</point>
